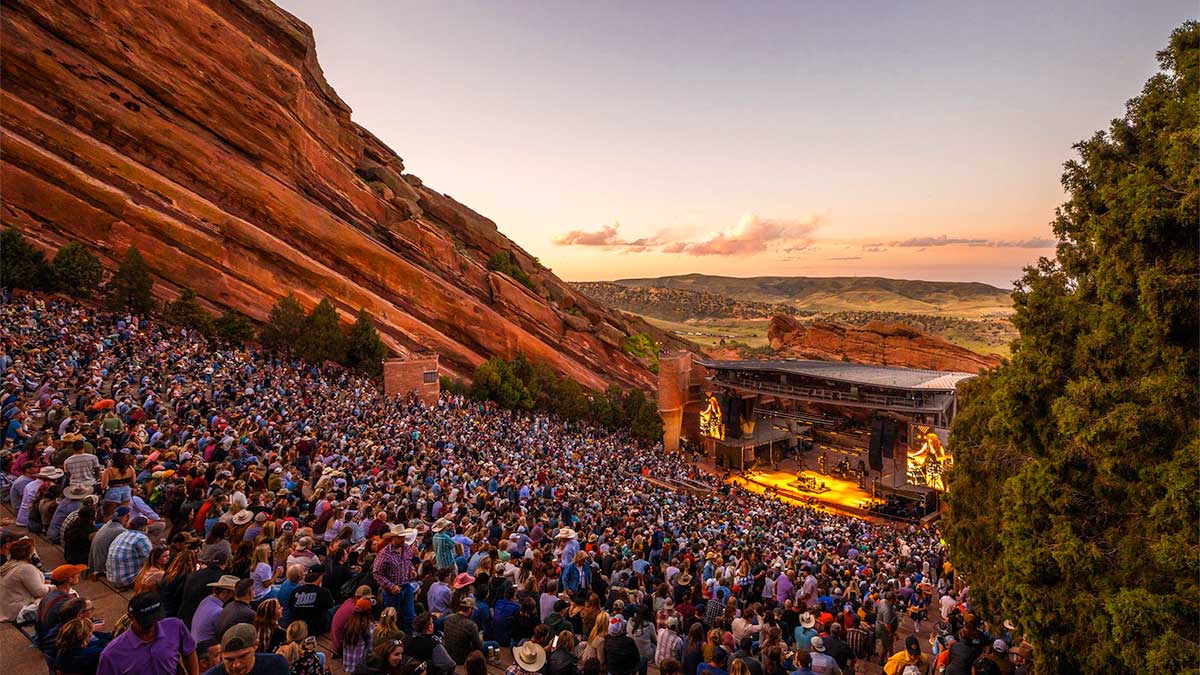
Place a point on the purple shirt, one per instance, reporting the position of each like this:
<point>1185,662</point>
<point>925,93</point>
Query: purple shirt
<point>783,588</point>
<point>127,654</point>
<point>204,621</point>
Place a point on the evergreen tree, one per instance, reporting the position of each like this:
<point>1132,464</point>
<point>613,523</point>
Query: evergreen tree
<point>496,380</point>
<point>76,271</point>
<point>285,325</point>
<point>1073,499</point>
<point>234,327</point>
<point>365,351</point>
<point>21,265</point>
<point>187,311</point>
<point>570,400</point>
<point>323,339</point>
<point>130,288</point>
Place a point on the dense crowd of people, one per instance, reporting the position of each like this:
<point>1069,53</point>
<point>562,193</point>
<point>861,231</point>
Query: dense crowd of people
<point>253,504</point>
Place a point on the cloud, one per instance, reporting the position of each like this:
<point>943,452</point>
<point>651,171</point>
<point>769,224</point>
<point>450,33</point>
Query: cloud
<point>750,235</point>
<point>874,249</point>
<point>753,235</point>
<point>924,242</point>
<point>605,236</point>
<point>853,257</point>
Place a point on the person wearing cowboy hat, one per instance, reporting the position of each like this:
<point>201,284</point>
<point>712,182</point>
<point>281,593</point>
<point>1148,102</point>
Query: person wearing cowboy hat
<point>443,543</point>
<point>393,571</point>
<point>805,630</point>
<point>73,497</point>
<point>527,659</point>
<point>48,475</point>
<point>568,546</point>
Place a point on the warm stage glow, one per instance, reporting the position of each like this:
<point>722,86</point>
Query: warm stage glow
<point>842,495</point>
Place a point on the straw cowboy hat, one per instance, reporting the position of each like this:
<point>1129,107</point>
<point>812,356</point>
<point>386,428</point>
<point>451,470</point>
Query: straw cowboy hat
<point>243,517</point>
<point>409,533</point>
<point>50,473</point>
<point>77,491</point>
<point>441,524</point>
<point>529,657</point>
<point>807,620</point>
<point>566,533</point>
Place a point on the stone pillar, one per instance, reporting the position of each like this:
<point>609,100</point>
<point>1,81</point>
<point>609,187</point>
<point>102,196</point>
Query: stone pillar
<point>674,375</point>
<point>418,373</point>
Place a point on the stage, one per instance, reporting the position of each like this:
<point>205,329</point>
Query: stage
<point>843,496</point>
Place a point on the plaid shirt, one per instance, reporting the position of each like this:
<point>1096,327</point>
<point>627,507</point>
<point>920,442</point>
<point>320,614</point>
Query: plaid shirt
<point>126,556</point>
<point>392,566</point>
<point>670,646</point>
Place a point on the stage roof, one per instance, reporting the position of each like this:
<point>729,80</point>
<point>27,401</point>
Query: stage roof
<point>853,373</point>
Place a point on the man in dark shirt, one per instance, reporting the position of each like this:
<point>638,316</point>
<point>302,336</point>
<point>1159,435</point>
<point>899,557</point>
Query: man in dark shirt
<point>311,602</point>
<point>837,648</point>
<point>460,635</point>
<point>196,588</point>
<point>238,609</point>
<point>621,654</point>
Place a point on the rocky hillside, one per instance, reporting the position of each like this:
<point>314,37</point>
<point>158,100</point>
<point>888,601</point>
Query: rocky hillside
<point>874,343</point>
<point>836,294</point>
<point>675,304</point>
<point>204,133</point>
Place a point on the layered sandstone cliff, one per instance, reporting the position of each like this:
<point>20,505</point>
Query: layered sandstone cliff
<point>882,344</point>
<point>204,133</point>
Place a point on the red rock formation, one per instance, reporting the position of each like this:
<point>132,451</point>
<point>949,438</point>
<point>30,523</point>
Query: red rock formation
<point>875,343</point>
<point>204,133</point>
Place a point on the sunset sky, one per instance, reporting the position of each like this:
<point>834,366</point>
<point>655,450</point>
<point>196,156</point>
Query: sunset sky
<point>915,140</point>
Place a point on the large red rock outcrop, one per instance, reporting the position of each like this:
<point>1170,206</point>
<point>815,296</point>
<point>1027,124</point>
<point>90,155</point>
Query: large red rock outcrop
<point>204,133</point>
<point>880,344</point>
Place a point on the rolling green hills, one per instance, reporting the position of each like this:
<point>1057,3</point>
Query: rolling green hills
<point>844,294</point>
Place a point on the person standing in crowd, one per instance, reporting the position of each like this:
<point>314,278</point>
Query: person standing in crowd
<point>358,638</point>
<point>153,645</point>
<point>393,570</point>
<point>461,635</point>
<point>424,647</point>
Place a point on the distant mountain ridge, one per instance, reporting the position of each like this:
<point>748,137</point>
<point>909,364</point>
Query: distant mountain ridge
<point>831,294</point>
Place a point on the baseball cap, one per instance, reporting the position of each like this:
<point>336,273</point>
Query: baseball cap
<point>146,608</point>
<point>64,572</point>
<point>817,644</point>
<point>616,625</point>
<point>121,512</point>
<point>238,637</point>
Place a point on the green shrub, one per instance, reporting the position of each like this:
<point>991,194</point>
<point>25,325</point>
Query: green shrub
<point>502,261</point>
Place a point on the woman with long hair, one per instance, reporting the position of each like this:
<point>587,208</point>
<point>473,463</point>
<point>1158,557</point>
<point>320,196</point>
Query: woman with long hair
<point>562,659</point>
<point>527,619</point>
<point>693,649</point>
<point>301,651</point>
<point>116,483</point>
<point>217,541</point>
<point>175,577</point>
<point>358,638</point>
<point>595,640</point>
<point>386,659</point>
<point>150,577</point>
<point>388,627</point>
<point>77,534</point>
<point>266,626</point>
